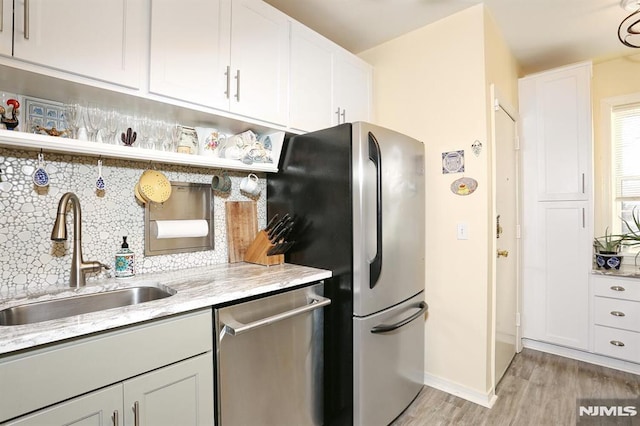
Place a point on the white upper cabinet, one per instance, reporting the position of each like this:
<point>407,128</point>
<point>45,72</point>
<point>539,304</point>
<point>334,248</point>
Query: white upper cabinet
<point>6,26</point>
<point>190,50</point>
<point>351,88</point>
<point>328,86</point>
<point>259,61</point>
<point>228,55</point>
<point>92,38</point>
<point>310,83</point>
<point>558,122</point>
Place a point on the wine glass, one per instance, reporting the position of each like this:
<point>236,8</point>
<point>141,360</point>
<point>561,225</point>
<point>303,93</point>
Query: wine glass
<point>144,132</point>
<point>112,121</point>
<point>159,134</point>
<point>73,116</point>
<point>95,121</point>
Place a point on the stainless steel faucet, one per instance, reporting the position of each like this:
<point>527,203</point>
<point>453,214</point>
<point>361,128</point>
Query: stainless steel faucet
<point>59,233</point>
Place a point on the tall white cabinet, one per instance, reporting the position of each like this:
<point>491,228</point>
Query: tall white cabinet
<point>556,145</point>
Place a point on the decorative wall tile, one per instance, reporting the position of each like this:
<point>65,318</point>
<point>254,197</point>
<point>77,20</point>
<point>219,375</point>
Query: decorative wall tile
<point>33,263</point>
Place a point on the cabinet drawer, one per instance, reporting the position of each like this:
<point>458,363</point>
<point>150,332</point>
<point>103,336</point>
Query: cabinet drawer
<point>620,288</point>
<point>617,313</point>
<point>616,343</point>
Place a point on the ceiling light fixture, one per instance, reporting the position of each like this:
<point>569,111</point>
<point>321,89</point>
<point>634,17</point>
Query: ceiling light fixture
<point>629,29</point>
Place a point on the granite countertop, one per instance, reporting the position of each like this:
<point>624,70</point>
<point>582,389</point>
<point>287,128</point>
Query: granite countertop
<point>627,271</point>
<point>196,288</point>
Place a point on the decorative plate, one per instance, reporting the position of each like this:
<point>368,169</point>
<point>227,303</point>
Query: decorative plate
<point>464,186</point>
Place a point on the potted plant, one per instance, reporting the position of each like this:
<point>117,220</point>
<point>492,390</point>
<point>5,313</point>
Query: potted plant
<point>632,237</point>
<point>607,248</point>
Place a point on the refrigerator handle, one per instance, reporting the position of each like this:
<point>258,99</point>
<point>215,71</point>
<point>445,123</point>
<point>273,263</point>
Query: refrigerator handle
<point>375,266</point>
<point>384,328</point>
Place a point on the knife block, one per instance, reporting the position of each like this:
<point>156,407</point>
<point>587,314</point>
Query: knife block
<point>257,251</point>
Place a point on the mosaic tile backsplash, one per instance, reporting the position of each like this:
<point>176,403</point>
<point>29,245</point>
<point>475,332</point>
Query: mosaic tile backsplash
<point>32,263</point>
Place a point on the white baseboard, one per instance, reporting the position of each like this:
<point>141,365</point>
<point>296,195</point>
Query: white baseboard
<point>486,400</point>
<point>604,361</point>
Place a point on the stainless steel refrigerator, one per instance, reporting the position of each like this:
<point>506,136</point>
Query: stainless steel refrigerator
<point>356,192</point>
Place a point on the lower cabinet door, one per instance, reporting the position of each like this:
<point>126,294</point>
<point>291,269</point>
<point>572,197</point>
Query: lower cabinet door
<point>179,394</point>
<point>99,408</point>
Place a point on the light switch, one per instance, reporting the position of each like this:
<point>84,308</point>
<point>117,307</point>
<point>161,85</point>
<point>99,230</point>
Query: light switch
<point>463,231</point>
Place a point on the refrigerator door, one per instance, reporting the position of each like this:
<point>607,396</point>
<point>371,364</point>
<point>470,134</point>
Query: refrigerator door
<point>388,218</point>
<point>388,361</point>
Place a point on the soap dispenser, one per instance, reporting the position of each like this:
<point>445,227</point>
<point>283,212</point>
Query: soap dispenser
<point>125,261</point>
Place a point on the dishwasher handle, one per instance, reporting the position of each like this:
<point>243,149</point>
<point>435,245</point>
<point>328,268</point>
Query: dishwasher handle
<point>385,328</point>
<point>235,328</point>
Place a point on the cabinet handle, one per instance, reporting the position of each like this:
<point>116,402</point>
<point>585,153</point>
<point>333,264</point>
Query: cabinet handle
<point>238,85</point>
<point>1,15</point>
<point>617,343</point>
<point>583,183</point>
<point>116,421</point>
<point>583,219</point>
<point>136,413</point>
<point>344,120</point>
<point>617,313</point>
<point>617,288</point>
<point>228,74</point>
<point>26,19</point>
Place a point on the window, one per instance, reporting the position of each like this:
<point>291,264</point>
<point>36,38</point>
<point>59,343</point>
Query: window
<point>625,166</point>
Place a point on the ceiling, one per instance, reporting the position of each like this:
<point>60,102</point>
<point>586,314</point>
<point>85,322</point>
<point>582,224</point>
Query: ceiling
<point>542,34</point>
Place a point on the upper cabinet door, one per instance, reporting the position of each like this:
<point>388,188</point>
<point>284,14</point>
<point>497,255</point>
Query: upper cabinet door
<point>100,39</point>
<point>556,111</point>
<point>351,88</point>
<point>6,26</point>
<point>310,83</point>
<point>259,61</point>
<point>190,50</point>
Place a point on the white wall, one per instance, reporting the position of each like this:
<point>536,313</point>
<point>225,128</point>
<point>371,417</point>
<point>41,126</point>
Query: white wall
<point>430,84</point>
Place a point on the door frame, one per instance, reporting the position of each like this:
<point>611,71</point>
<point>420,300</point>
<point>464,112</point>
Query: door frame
<point>499,102</point>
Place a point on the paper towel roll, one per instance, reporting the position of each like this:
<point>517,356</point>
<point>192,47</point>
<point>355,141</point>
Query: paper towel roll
<point>182,228</point>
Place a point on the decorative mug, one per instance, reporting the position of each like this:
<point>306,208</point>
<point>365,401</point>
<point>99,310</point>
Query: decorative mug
<point>250,185</point>
<point>221,182</point>
<point>209,140</point>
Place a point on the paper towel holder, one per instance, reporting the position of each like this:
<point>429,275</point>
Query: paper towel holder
<point>188,201</point>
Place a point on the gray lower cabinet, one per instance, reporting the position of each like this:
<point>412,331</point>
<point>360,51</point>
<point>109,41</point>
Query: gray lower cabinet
<point>154,373</point>
<point>173,395</point>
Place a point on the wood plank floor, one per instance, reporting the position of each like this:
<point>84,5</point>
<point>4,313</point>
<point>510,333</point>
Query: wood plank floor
<point>537,389</point>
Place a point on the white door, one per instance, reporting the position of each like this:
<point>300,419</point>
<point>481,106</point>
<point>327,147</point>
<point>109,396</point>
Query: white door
<point>259,61</point>
<point>93,38</point>
<point>189,58</point>
<point>506,297</point>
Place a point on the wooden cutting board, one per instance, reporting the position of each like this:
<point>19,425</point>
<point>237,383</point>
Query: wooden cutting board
<point>242,227</point>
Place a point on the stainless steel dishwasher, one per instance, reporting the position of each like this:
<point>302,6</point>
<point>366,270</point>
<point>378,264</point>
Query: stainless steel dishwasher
<point>269,360</point>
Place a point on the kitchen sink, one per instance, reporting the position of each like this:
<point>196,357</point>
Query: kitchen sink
<point>30,313</point>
